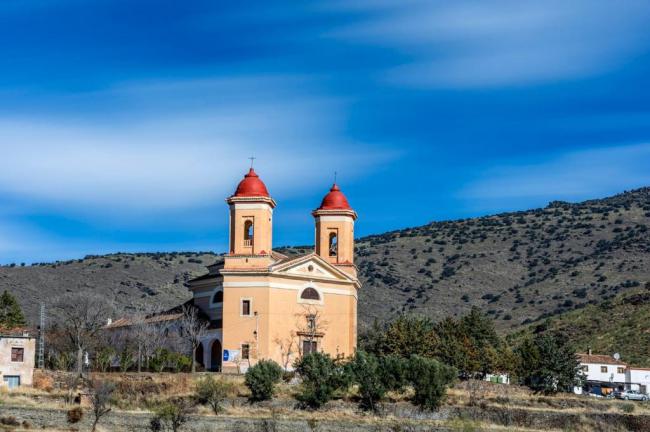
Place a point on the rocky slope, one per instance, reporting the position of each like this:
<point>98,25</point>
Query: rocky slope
<point>519,267</point>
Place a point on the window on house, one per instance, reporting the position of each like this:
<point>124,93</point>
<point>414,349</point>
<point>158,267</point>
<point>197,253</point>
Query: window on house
<point>620,370</point>
<point>309,346</point>
<point>245,351</point>
<point>246,307</point>
<point>309,294</point>
<point>333,244</point>
<point>218,297</point>
<point>603,369</point>
<point>17,354</point>
<point>248,233</point>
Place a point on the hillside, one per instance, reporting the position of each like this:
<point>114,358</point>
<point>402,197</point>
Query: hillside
<point>519,267</point>
<point>617,325</point>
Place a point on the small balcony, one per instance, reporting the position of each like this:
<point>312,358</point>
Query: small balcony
<point>248,242</point>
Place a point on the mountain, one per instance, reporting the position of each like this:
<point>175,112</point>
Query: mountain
<point>619,325</point>
<point>519,267</point>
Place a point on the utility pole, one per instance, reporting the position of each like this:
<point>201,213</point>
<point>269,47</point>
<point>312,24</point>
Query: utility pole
<point>41,339</point>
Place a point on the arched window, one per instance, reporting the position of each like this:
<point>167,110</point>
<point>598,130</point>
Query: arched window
<point>309,294</point>
<point>248,233</point>
<point>333,244</point>
<point>217,297</point>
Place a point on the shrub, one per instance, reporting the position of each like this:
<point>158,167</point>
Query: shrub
<point>43,382</point>
<point>173,413</point>
<point>365,371</point>
<point>262,378</point>
<point>9,421</point>
<point>627,407</point>
<point>213,392</point>
<point>394,372</point>
<point>321,377</point>
<point>75,415</point>
<point>430,379</point>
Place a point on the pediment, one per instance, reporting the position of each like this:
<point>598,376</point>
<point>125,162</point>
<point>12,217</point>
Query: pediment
<point>311,267</point>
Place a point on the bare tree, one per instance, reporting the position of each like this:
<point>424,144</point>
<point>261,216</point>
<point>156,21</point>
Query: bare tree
<point>194,328</point>
<point>148,333</point>
<point>311,326</point>
<point>101,393</point>
<point>288,348</point>
<point>82,317</point>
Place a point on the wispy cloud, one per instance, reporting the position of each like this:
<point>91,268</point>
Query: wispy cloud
<point>571,176</point>
<point>495,43</point>
<point>190,146</point>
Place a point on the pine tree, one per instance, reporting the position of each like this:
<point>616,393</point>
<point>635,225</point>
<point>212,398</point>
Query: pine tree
<point>10,313</point>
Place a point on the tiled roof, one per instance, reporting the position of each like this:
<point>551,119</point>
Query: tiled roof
<point>599,359</point>
<point>15,331</point>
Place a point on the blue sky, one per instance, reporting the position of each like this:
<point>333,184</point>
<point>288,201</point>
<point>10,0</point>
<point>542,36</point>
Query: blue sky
<point>125,124</point>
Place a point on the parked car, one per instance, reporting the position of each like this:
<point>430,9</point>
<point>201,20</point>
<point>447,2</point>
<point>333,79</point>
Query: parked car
<point>630,395</point>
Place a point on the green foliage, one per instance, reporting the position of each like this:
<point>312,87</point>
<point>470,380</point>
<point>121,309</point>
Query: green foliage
<point>262,378</point>
<point>470,344</point>
<point>104,358</point>
<point>366,371</point>
<point>173,413</point>
<point>321,377</point>
<point>430,380</point>
<point>404,336</point>
<point>213,392</point>
<point>548,363</point>
<point>394,372</point>
<point>11,315</point>
<point>166,359</point>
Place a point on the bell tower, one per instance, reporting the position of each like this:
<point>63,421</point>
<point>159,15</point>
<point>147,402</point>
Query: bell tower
<point>251,224</point>
<point>335,230</point>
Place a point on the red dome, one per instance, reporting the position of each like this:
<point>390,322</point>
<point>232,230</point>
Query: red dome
<point>251,186</point>
<point>335,200</point>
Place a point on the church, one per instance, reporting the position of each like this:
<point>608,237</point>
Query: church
<point>265,305</point>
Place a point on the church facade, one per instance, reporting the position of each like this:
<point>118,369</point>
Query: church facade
<point>265,305</point>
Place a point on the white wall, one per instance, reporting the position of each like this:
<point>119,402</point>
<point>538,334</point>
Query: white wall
<point>24,369</point>
<point>612,375</point>
<point>637,377</point>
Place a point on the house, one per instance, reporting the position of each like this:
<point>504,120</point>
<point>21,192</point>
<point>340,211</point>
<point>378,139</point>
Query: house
<point>603,374</point>
<point>17,356</point>
<point>638,379</point>
<point>265,305</point>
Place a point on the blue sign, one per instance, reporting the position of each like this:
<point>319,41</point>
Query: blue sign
<point>226,355</point>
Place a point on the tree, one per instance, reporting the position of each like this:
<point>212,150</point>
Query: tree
<point>321,377</point>
<point>194,328</point>
<point>213,392</point>
<point>548,363</point>
<point>82,317</point>
<point>11,315</point>
<point>430,379</point>
<point>262,378</point>
<point>365,371</point>
<point>101,393</point>
<point>405,336</point>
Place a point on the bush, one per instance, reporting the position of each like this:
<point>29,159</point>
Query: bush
<point>394,372</point>
<point>213,392</point>
<point>627,408</point>
<point>173,413</point>
<point>365,371</point>
<point>321,377</point>
<point>262,378</point>
<point>430,379</point>
<point>75,415</point>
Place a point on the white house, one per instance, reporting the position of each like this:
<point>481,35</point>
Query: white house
<point>603,374</point>
<point>17,355</point>
<point>638,379</point>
